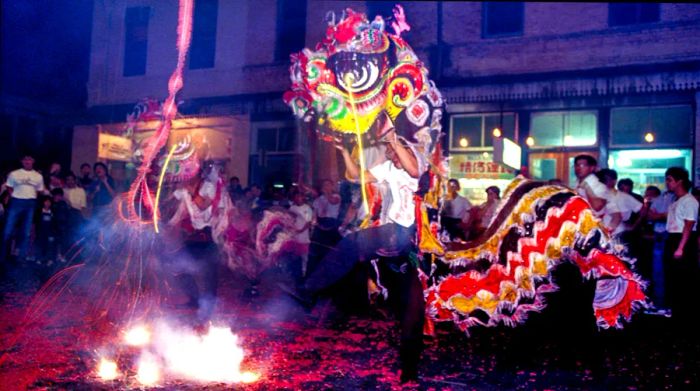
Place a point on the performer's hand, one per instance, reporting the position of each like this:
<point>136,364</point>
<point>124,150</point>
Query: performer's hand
<point>678,254</point>
<point>391,136</point>
<point>338,144</point>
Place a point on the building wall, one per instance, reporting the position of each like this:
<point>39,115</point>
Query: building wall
<point>567,57</point>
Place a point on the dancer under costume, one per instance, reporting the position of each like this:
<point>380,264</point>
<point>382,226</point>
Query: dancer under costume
<point>201,216</point>
<point>393,240</point>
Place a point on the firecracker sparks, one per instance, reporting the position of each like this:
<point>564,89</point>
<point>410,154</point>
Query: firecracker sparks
<point>182,354</point>
<point>156,212</point>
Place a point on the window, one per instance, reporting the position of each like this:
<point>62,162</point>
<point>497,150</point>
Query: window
<point>647,167</point>
<point>502,19</point>
<point>136,40</point>
<point>564,129</point>
<point>272,156</point>
<point>624,14</point>
<point>669,126</point>
<point>291,28</point>
<point>476,130</point>
<point>203,47</point>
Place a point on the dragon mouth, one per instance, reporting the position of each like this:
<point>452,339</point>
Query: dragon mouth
<point>357,73</point>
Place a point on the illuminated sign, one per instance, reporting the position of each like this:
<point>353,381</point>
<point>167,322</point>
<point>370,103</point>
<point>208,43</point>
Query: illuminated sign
<point>113,147</point>
<point>506,152</point>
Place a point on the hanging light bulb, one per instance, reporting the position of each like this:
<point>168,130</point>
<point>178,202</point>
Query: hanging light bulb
<point>649,137</point>
<point>530,141</point>
<point>463,142</point>
<point>497,132</point>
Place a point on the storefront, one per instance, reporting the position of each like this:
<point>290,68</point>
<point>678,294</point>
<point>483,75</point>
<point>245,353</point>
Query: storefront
<point>216,138</point>
<point>639,142</point>
<point>471,152</point>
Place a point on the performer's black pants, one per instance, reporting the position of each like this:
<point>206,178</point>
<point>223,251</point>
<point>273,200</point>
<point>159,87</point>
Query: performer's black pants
<point>393,243</point>
<point>198,276</point>
<point>323,238</point>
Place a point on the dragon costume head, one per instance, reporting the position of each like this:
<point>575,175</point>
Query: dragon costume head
<point>360,72</point>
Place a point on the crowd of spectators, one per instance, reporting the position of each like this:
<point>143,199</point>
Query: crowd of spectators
<point>42,214</point>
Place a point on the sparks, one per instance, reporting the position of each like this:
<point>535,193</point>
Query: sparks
<point>148,372</point>
<point>137,336</point>
<point>160,185</point>
<point>107,369</point>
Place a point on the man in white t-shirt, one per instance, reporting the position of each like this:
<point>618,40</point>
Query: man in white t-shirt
<point>394,241</point>
<point>455,212</point>
<point>588,186</point>
<point>24,185</point>
<point>681,250</point>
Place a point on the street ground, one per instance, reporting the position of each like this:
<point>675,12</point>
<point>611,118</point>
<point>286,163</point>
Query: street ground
<point>330,350</point>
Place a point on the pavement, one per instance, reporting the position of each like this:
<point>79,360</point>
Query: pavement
<point>328,349</point>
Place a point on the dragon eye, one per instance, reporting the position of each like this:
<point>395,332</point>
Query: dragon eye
<point>360,78</point>
<point>356,72</point>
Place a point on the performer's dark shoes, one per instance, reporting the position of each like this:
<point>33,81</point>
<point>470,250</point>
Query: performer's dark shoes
<point>300,295</point>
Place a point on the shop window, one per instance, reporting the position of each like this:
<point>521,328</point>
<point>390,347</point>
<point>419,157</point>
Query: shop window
<point>564,129</point>
<point>476,130</point>
<point>136,40</point>
<point>651,126</point>
<point>502,19</point>
<point>648,166</point>
<point>291,28</point>
<point>203,47</point>
<point>624,14</point>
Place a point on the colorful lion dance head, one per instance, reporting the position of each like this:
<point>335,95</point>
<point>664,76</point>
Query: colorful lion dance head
<point>359,73</point>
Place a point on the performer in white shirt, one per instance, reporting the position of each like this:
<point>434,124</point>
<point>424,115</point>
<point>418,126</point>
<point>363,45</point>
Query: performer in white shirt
<point>619,206</point>
<point>681,250</point>
<point>24,184</point>
<point>589,187</point>
<point>394,241</point>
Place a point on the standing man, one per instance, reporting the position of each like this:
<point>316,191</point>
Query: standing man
<point>325,234</point>
<point>455,215</point>
<point>393,240</point>
<point>23,184</point>
<point>589,187</point>
<point>681,251</point>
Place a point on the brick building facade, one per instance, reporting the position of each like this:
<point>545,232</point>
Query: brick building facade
<point>568,78</point>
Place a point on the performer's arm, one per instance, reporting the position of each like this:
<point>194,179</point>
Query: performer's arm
<point>687,229</point>
<point>616,220</point>
<point>352,169</point>
<point>406,157</point>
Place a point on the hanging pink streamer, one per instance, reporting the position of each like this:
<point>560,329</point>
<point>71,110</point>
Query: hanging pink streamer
<point>156,142</point>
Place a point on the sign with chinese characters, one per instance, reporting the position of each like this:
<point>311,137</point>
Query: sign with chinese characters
<point>112,147</point>
<point>477,165</point>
